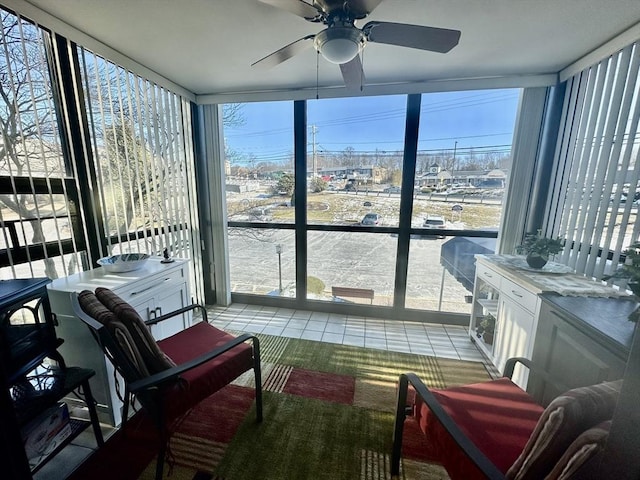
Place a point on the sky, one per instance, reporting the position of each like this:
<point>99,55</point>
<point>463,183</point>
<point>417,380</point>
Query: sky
<point>464,120</point>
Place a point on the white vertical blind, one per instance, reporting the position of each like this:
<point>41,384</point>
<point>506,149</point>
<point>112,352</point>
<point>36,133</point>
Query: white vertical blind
<point>595,194</point>
<point>37,218</point>
<point>143,152</point>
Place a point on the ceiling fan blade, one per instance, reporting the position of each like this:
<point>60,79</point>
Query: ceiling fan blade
<point>285,53</point>
<point>362,8</point>
<point>356,9</point>
<point>353,74</point>
<point>414,36</point>
<point>297,7</point>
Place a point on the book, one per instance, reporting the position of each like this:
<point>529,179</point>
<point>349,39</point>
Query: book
<point>64,433</point>
<point>39,433</point>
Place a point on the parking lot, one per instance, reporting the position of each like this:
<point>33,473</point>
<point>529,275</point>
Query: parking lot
<point>351,259</point>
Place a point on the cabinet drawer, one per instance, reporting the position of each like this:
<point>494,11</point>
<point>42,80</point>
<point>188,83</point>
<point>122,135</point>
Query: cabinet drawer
<point>490,276</point>
<point>520,295</point>
<point>147,288</point>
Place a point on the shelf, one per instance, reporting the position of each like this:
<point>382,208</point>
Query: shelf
<point>485,347</point>
<point>77,427</point>
<point>490,305</point>
<point>53,384</point>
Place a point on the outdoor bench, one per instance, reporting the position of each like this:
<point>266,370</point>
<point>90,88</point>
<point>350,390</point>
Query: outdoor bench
<point>353,292</point>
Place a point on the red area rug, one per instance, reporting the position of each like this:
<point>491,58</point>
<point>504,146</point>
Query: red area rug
<point>329,387</point>
<point>129,452</point>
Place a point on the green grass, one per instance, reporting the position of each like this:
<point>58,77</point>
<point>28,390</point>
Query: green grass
<point>339,208</point>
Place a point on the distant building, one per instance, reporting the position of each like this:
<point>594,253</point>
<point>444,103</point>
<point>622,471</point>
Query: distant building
<point>478,178</point>
<point>364,174</point>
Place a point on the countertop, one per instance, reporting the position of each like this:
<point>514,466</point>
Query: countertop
<point>603,319</point>
<point>554,277</point>
<point>99,277</point>
<point>598,310</point>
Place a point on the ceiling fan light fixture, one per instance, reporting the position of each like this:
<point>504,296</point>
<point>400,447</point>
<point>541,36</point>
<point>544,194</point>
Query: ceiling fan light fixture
<point>339,44</point>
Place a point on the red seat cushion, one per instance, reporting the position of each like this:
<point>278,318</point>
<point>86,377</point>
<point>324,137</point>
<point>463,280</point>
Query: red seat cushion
<point>209,377</point>
<point>497,416</point>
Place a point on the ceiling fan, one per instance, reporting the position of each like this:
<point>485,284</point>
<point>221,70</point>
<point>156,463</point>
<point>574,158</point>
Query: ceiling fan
<point>341,42</point>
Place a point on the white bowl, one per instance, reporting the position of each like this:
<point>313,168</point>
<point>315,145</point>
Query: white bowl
<point>127,262</point>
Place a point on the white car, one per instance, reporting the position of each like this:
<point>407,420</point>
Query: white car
<point>371,219</point>
<point>435,222</point>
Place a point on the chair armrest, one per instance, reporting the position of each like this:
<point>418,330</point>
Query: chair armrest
<point>180,311</point>
<point>159,378</point>
<point>466,445</point>
<point>536,370</point>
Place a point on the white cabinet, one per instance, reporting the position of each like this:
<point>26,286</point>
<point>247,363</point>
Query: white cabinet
<point>508,290</point>
<point>155,289</point>
<point>515,337</point>
<point>504,316</point>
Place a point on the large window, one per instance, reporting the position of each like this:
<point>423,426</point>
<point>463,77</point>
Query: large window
<point>39,218</point>
<point>376,198</point>
<point>67,198</point>
<point>259,171</point>
<point>355,148</point>
<point>463,162</point>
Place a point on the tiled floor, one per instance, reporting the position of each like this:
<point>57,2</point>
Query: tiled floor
<point>437,340</point>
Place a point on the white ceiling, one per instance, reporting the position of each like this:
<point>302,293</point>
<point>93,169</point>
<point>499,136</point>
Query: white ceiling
<point>207,46</point>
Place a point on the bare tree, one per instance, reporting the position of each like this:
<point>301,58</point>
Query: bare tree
<point>30,144</point>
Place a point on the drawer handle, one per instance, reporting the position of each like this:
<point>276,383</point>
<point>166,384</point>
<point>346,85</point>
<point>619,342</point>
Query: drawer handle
<point>488,274</point>
<point>149,287</point>
<point>517,294</point>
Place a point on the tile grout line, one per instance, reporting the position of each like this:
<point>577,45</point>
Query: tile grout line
<point>375,332</point>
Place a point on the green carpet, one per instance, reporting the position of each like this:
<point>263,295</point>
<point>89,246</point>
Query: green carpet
<point>321,438</point>
<point>328,414</point>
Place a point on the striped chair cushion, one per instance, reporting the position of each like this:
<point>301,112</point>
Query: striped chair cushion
<point>119,332</point>
<point>586,448</point>
<point>566,417</point>
<point>94,307</point>
<point>154,358</point>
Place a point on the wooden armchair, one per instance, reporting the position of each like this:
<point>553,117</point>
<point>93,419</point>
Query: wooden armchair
<point>496,430</point>
<point>168,378</point>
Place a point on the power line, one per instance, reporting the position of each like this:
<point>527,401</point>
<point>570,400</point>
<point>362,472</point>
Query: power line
<point>501,149</point>
<point>427,107</point>
<point>421,140</point>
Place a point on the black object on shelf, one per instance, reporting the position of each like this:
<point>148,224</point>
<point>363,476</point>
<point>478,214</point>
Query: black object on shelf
<point>37,390</point>
<point>27,325</point>
<point>74,379</point>
<point>33,374</point>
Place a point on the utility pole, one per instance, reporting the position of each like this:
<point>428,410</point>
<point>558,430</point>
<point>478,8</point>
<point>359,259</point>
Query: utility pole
<point>455,147</point>
<point>279,252</point>
<point>314,129</point>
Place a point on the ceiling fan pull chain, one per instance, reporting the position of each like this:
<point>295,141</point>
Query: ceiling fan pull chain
<point>317,75</point>
<point>362,70</point>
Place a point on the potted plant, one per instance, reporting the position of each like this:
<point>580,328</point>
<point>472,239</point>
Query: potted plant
<point>487,328</point>
<point>630,272</point>
<point>538,248</point>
